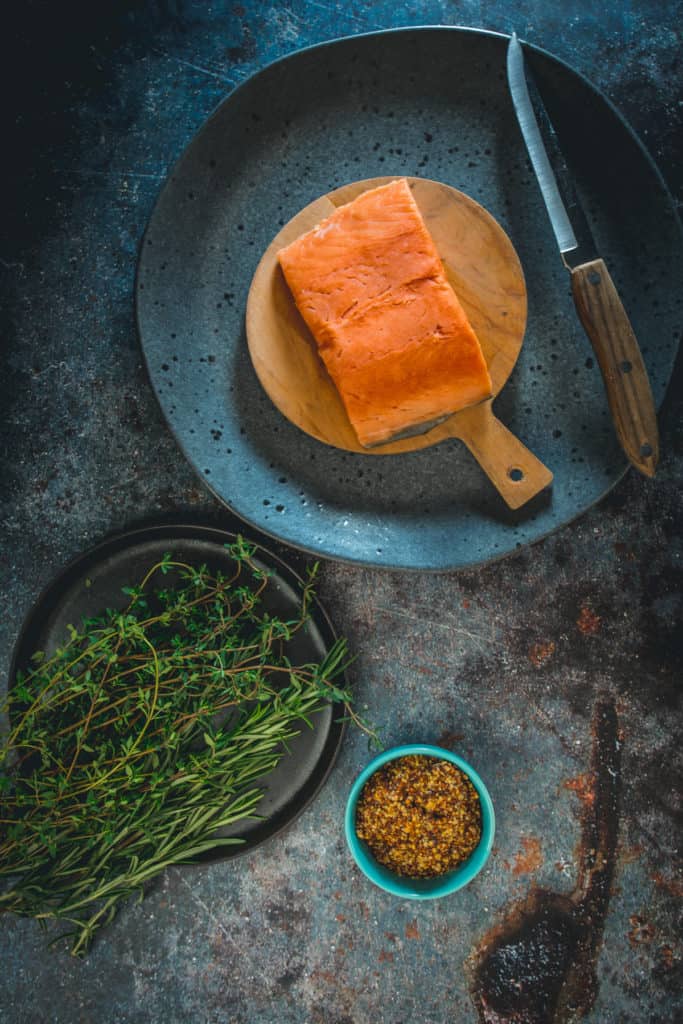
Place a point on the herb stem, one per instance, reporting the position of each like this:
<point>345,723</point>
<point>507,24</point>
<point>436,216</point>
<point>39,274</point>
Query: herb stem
<point>148,733</point>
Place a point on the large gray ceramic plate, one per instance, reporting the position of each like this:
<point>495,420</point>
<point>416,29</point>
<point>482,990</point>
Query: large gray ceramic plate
<point>418,101</point>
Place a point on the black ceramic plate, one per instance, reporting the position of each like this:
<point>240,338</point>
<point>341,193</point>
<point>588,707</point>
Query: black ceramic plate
<point>417,101</point>
<point>94,581</point>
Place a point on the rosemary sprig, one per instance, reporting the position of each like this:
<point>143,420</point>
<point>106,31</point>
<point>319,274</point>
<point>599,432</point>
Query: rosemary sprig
<point>145,734</point>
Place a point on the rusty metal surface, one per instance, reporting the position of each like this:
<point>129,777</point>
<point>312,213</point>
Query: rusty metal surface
<point>554,672</point>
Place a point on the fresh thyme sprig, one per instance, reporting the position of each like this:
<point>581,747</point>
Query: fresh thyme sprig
<point>145,734</point>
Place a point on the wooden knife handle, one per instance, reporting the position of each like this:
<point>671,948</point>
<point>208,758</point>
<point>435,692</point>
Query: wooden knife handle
<point>513,470</point>
<point>626,382</point>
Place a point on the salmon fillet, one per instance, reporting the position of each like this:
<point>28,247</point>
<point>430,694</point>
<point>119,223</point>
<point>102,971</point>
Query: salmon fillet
<point>371,287</point>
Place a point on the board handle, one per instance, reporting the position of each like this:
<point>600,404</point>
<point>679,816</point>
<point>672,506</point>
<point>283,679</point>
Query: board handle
<point>513,470</point>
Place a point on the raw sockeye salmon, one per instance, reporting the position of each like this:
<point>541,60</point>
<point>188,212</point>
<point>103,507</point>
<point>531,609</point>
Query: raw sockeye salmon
<point>371,287</point>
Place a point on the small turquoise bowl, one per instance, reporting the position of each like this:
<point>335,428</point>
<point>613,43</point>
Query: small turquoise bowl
<point>420,888</point>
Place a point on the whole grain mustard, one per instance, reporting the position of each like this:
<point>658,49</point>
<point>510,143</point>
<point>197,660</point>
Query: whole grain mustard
<point>419,815</point>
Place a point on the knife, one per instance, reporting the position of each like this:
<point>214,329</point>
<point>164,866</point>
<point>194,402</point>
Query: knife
<point>596,299</point>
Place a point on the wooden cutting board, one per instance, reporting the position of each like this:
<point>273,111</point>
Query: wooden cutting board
<point>483,269</point>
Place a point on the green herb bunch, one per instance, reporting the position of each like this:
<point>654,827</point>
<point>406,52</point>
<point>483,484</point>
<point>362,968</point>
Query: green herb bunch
<point>145,734</point>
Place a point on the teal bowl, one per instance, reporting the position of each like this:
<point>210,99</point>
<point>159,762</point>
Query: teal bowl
<point>420,888</point>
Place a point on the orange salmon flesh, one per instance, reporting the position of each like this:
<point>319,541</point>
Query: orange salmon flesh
<point>371,287</point>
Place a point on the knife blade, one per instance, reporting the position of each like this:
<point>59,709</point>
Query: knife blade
<point>596,299</point>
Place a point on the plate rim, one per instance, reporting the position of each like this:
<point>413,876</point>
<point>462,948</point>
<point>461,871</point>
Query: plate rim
<point>122,540</point>
<point>377,33</point>
<point>420,29</point>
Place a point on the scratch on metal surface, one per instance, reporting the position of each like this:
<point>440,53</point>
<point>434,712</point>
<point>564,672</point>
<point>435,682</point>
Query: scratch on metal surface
<point>288,23</point>
<point>337,9</point>
<point>200,902</point>
<point>481,640</point>
<point>50,368</point>
<point>205,71</point>
<point>112,174</point>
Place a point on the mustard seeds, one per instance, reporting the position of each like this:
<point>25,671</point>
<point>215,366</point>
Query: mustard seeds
<point>419,815</point>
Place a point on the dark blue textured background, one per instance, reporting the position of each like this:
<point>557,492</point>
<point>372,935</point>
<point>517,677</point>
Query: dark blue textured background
<point>502,663</point>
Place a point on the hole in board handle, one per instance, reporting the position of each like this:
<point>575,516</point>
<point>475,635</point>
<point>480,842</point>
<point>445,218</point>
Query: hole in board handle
<point>516,474</point>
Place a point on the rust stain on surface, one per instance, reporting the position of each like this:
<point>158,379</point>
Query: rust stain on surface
<point>674,886</point>
<point>322,975</point>
<point>385,956</point>
<point>624,551</point>
<point>584,787</point>
<point>540,652</point>
<point>667,958</point>
<point>412,930</point>
<point>537,966</point>
<point>631,854</point>
<point>448,740</point>
<point>529,858</point>
<point>588,622</point>
<point>641,933</point>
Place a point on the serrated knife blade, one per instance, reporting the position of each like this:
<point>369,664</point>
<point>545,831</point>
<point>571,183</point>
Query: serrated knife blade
<point>596,299</point>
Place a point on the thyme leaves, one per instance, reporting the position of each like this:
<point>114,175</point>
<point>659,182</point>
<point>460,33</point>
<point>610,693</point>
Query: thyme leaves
<point>146,734</point>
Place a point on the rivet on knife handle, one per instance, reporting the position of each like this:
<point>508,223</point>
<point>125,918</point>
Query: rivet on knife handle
<point>623,370</point>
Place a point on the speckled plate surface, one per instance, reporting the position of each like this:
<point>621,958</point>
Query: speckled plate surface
<point>94,580</point>
<point>429,102</point>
